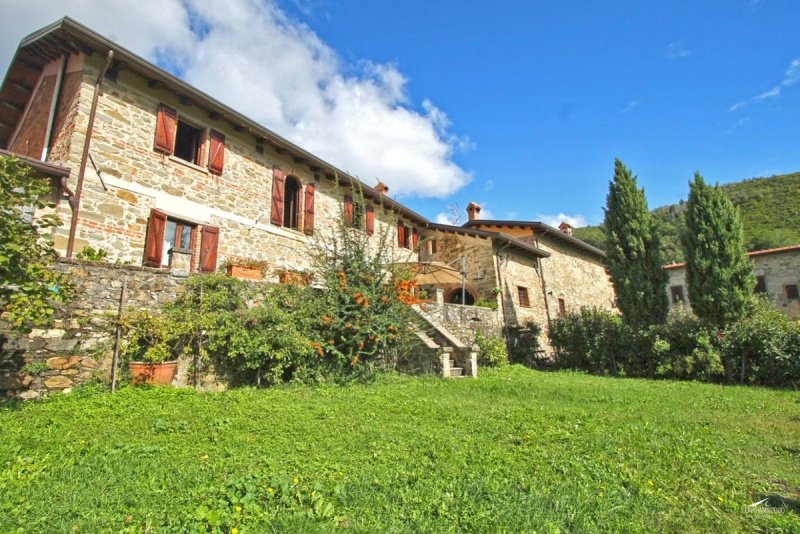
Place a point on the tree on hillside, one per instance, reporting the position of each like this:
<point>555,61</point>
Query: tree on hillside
<point>632,246</point>
<point>718,272</point>
<point>28,285</point>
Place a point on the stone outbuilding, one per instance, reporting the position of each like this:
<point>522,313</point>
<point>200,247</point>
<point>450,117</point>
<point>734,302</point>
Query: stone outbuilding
<point>777,272</point>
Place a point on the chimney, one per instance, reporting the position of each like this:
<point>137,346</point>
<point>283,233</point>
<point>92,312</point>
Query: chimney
<point>382,188</point>
<point>473,211</point>
<point>565,227</point>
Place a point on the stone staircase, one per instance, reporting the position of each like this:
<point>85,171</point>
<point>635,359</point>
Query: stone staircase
<point>454,359</point>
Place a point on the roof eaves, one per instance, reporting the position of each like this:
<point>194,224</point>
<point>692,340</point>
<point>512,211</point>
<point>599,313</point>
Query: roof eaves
<point>491,235</point>
<point>142,66</point>
<point>43,167</point>
<point>547,229</point>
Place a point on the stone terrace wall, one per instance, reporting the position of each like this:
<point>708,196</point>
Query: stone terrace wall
<point>465,321</point>
<point>79,343</point>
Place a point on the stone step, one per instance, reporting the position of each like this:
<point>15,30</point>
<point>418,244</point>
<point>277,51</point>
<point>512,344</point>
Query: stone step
<point>456,371</point>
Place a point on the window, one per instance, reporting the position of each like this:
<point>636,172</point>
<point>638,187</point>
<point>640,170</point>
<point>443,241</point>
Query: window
<point>761,285</point>
<point>177,137</point>
<point>791,292</point>
<point>286,207</point>
<point>358,216</point>
<point>188,142</point>
<point>562,307</point>
<point>403,235</point>
<point>522,293</point>
<point>291,203</point>
<point>166,233</point>
<point>676,292</point>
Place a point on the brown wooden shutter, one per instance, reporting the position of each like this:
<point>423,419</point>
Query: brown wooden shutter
<point>208,249</point>
<point>154,240</point>
<point>165,129</point>
<point>308,222</point>
<point>216,156</point>
<point>401,235</point>
<point>370,220</point>
<point>348,210</point>
<point>278,192</point>
<point>415,238</point>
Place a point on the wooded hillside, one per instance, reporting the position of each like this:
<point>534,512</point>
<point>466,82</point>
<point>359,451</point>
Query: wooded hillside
<point>769,207</point>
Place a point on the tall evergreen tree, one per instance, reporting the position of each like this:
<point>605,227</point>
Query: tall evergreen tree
<point>634,261</point>
<point>718,272</point>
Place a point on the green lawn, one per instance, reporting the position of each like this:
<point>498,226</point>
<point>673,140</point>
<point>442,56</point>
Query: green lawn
<point>515,450</point>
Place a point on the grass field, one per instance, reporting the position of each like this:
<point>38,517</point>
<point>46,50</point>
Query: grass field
<point>515,450</point>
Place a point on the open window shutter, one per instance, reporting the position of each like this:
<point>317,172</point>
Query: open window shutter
<point>401,235</point>
<point>165,129</point>
<point>216,156</point>
<point>348,210</point>
<point>308,222</point>
<point>415,238</point>
<point>278,192</point>
<point>154,241</point>
<point>208,249</point>
<point>370,220</point>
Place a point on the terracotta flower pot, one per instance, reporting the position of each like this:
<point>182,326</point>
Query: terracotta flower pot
<point>248,273</point>
<point>154,374</point>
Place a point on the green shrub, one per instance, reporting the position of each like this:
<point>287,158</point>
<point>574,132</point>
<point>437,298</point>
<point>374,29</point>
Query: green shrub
<point>487,303</point>
<point>92,254</point>
<point>493,350</point>
<point>684,348</point>
<point>592,340</point>
<point>764,348</point>
<point>524,346</point>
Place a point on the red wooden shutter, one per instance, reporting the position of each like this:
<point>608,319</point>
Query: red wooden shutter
<point>401,235</point>
<point>415,238</point>
<point>348,210</point>
<point>308,222</point>
<point>154,241</point>
<point>165,129</point>
<point>370,220</point>
<point>216,156</point>
<point>208,249</point>
<point>278,191</point>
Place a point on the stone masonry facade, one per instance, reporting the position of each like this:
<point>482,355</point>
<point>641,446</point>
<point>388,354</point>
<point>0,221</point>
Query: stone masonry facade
<point>777,272</point>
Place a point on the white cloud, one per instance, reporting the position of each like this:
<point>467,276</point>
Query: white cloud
<point>790,77</point>
<point>444,218</point>
<point>738,124</point>
<point>632,104</point>
<point>677,51</point>
<point>252,56</point>
<point>576,221</point>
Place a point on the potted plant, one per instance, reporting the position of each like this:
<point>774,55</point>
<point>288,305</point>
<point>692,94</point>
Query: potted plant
<point>150,348</point>
<point>247,269</point>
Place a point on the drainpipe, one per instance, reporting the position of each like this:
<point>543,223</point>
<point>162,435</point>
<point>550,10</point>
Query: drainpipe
<point>544,291</point>
<point>500,283</point>
<point>48,135</point>
<point>84,158</point>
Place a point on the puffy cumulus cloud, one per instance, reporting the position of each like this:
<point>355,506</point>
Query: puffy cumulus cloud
<point>276,70</point>
<point>576,221</point>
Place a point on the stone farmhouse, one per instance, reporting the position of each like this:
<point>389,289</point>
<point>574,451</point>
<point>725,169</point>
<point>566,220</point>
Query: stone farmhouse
<point>777,273</point>
<point>160,174</point>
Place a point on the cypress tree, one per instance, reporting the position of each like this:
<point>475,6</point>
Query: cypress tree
<point>632,246</point>
<point>718,272</point>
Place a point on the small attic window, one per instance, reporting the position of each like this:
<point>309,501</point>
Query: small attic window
<point>188,142</point>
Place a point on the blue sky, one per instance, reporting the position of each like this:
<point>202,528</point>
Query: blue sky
<point>519,106</point>
<point>549,93</point>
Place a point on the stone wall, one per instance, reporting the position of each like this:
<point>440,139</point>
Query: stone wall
<point>133,178</point>
<point>779,269</point>
<point>480,260</point>
<point>79,344</point>
<point>465,321</point>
